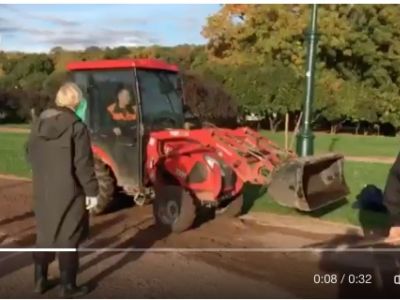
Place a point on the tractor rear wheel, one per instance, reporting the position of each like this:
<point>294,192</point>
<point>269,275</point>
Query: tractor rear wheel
<point>233,209</point>
<point>106,187</point>
<point>174,208</point>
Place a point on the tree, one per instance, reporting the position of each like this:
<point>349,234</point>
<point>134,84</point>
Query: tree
<point>8,107</point>
<point>388,104</point>
<point>93,49</point>
<point>34,63</point>
<point>53,82</point>
<point>366,108</point>
<point>239,33</point>
<point>56,50</point>
<point>8,65</point>
<point>115,53</point>
<point>3,57</point>
<point>357,45</point>
<point>208,100</point>
<point>356,41</point>
<point>29,72</point>
<point>61,60</point>
<point>8,82</point>
<point>271,90</point>
<point>16,104</point>
<point>33,82</point>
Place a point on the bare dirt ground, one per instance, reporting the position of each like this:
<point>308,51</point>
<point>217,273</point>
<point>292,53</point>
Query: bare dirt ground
<point>240,258</point>
<point>14,130</point>
<point>372,159</point>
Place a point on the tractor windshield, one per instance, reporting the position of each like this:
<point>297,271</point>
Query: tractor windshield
<point>161,99</point>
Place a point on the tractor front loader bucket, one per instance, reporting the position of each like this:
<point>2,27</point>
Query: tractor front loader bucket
<point>309,183</point>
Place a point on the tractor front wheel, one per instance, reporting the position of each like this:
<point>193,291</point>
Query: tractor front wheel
<point>233,209</point>
<point>174,208</point>
<point>106,187</point>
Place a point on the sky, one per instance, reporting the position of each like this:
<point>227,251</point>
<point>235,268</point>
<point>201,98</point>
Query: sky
<point>38,27</point>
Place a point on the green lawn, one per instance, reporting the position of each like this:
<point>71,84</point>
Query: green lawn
<point>347,144</point>
<point>12,161</point>
<point>12,156</point>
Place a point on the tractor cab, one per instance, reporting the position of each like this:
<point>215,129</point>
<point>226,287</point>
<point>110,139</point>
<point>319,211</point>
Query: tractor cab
<point>126,100</point>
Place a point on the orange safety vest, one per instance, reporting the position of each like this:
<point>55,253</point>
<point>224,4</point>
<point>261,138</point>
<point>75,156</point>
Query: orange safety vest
<point>120,116</point>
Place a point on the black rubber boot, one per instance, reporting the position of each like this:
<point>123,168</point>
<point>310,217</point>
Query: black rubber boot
<point>69,289</point>
<point>41,281</point>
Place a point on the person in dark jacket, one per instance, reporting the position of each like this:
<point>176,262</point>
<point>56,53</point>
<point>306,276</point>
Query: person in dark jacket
<point>64,188</point>
<point>391,198</point>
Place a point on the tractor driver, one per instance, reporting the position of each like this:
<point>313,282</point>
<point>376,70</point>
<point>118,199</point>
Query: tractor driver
<point>122,112</point>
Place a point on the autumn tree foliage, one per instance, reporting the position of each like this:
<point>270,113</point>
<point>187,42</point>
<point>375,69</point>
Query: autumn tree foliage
<point>357,59</point>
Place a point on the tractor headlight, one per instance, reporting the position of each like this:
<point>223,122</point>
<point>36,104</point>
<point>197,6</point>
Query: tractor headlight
<point>211,161</point>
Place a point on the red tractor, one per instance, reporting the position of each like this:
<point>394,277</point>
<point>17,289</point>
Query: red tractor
<point>153,156</point>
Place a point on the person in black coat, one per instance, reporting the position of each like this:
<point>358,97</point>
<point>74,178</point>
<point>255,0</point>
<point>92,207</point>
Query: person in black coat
<point>64,188</point>
<point>391,198</point>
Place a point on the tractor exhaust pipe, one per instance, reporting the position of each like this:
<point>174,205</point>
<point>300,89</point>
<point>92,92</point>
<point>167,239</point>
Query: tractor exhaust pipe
<point>309,183</point>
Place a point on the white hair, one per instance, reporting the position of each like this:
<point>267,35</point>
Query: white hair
<point>69,95</point>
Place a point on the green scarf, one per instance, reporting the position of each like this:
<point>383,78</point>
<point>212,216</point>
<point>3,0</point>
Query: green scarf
<point>81,110</point>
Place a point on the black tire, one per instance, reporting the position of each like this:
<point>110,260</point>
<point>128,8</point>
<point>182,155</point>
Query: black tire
<point>107,188</point>
<point>173,207</point>
<point>233,209</point>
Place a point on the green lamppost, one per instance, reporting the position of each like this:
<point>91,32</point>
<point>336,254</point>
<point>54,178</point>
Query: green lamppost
<point>305,138</point>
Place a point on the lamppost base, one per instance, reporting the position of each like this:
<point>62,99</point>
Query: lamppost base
<point>305,144</point>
